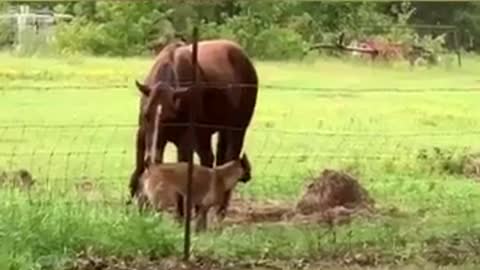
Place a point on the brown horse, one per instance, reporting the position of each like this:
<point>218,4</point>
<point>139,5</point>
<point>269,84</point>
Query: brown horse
<point>224,103</point>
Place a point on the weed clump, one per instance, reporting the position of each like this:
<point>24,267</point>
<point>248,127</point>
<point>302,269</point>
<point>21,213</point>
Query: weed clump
<point>447,161</point>
<point>17,179</point>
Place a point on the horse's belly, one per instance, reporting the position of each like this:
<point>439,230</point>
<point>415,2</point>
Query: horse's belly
<point>223,109</point>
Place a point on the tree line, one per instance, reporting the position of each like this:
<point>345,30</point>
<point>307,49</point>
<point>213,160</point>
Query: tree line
<point>267,29</point>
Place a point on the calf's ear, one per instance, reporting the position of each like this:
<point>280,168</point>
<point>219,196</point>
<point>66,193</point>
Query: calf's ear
<point>245,162</point>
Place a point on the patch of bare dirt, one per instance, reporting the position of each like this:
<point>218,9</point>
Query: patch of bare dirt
<point>333,198</point>
<point>87,260</point>
<point>250,211</point>
<point>350,262</point>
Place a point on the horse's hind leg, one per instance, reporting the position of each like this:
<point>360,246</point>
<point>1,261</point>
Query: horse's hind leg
<point>204,148</point>
<point>235,144</point>
<point>221,148</point>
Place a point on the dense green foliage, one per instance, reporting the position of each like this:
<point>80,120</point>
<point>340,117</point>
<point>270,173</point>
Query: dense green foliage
<point>267,29</point>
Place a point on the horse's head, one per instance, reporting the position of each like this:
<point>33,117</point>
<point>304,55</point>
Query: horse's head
<point>162,105</point>
<point>162,99</point>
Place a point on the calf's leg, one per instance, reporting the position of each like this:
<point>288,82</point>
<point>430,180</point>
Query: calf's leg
<point>180,205</point>
<point>201,219</point>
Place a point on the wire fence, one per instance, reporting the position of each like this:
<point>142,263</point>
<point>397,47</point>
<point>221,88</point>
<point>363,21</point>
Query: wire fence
<point>92,163</point>
<point>64,154</point>
<point>276,87</point>
<point>106,150</point>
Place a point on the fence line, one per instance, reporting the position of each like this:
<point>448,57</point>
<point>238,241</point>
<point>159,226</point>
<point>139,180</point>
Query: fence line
<point>323,133</point>
<point>4,89</point>
<point>276,156</point>
<point>70,153</point>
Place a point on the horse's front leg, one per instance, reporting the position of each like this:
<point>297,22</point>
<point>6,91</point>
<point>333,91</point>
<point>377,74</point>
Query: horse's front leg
<point>139,163</point>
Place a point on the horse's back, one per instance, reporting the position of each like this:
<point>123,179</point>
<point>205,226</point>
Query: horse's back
<point>230,96</point>
<point>220,61</point>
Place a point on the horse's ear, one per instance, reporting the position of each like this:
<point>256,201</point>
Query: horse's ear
<point>145,90</point>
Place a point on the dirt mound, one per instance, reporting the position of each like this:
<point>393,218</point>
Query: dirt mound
<point>334,190</point>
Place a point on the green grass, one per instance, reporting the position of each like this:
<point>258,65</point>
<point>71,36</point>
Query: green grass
<point>295,133</point>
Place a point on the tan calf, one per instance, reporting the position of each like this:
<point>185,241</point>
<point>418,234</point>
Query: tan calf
<point>166,182</point>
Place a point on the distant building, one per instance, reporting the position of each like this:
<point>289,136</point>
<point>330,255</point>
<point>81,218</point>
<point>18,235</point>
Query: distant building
<point>32,29</point>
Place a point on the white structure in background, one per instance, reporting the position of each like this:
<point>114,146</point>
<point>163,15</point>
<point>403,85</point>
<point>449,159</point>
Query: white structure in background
<point>33,28</point>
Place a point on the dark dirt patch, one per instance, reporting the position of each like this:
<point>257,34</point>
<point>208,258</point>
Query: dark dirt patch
<point>349,262</point>
<point>85,261</point>
<point>249,211</point>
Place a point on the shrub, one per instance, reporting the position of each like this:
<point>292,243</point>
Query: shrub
<point>118,29</point>
<point>7,34</point>
<point>279,44</point>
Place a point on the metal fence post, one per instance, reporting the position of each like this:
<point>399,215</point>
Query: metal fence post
<point>191,143</point>
<point>457,49</point>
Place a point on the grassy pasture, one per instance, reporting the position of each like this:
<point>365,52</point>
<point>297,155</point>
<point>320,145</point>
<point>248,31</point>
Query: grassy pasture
<point>372,120</point>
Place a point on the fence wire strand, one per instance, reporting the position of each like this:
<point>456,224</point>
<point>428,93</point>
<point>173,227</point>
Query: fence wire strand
<point>222,86</point>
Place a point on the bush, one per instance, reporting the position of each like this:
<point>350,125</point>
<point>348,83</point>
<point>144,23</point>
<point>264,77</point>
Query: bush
<point>260,27</point>
<point>279,44</point>
<point>7,34</point>
<point>118,29</point>
<point>79,36</point>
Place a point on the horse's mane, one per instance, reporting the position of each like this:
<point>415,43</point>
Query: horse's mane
<point>164,57</point>
<point>169,50</point>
